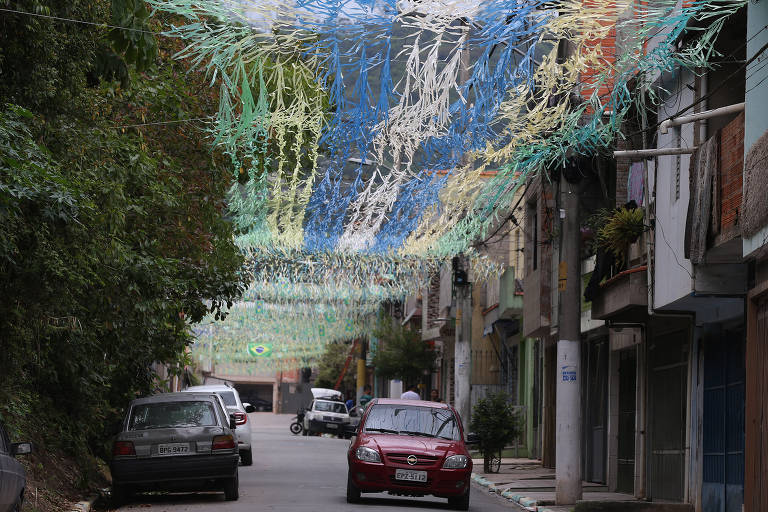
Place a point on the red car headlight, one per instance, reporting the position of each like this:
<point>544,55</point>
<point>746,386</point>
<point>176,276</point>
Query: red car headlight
<point>456,462</point>
<point>367,454</point>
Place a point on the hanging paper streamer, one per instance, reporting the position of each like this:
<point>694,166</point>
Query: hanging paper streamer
<point>372,139</point>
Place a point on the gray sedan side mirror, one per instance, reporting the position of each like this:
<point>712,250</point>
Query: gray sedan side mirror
<point>232,422</point>
<point>21,449</point>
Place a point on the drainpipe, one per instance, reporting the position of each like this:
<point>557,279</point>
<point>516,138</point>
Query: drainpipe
<point>722,111</point>
<point>640,154</point>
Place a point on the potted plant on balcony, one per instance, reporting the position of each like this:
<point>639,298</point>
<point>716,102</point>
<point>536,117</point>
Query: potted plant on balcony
<point>621,229</point>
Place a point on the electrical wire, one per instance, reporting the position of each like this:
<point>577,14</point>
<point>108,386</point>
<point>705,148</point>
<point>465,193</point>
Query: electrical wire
<point>208,118</point>
<point>83,22</point>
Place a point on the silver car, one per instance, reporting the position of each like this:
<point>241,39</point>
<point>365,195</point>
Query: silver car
<point>12,476</point>
<point>235,406</point>
<point>175,441</point>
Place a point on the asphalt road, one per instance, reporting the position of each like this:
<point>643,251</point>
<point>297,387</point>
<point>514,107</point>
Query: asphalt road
<point>299,474</point>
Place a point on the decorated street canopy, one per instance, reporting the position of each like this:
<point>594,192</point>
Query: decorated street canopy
<point>372,139</point>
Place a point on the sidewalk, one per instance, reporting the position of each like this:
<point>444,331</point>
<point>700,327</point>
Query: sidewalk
<point>532,487</point>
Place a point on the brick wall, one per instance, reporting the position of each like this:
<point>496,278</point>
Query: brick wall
<point>731,167</point>
<point>591,77</point>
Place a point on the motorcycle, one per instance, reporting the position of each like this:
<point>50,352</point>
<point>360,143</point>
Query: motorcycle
<point>298,424</point>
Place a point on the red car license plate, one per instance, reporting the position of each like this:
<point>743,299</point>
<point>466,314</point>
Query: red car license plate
<point>410,475</point>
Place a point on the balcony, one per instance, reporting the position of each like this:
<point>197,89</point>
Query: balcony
<point>510,295</point>
<point>625,294</point>
<point>536,306</point>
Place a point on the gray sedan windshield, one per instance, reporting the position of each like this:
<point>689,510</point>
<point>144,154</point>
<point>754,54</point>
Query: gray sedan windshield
<point>172,415</point>
<point>412,420</point>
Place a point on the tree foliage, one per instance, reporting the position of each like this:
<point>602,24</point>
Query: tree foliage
<point>401,353</point>
<point>113,238</point>
<point>332,364</point>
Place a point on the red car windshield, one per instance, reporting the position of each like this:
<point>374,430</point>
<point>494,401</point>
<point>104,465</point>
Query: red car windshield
<point>412,420</point>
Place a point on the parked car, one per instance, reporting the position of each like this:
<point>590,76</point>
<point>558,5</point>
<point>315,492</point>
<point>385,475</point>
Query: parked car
<point>235,406</point>
<point>13,479</point>
<point>175,441</point>
<point>410,448</point>
<point>326,414</point>
<point>259,404</point>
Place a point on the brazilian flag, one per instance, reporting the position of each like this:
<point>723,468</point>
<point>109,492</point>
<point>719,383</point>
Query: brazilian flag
<point>260,349</point>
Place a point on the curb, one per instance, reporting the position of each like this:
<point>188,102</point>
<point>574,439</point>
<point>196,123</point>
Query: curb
<point>83,506</point>
<point>523,501</point>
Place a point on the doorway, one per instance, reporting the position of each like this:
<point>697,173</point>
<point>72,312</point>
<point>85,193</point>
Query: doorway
<point>668,362</point>
<point>723,423</point>
<point>625,471</point>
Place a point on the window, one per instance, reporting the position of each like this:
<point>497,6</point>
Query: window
<point>413,420</point>
<point>532,236</point>
<point>172,415</point>
<point>5,442</point>
<point>228,397</point>
<point>679,141</point>
<point>324,406</point>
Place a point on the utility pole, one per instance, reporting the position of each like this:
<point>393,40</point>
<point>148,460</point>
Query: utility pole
<point>360,373</point>
<point>463,345</point>
<point>568,372</point>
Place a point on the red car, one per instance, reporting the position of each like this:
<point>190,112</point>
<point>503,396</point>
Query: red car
<point>410,448</point>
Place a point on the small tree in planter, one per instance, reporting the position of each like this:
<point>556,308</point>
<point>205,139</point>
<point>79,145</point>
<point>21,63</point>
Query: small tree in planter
<point>496,424</point>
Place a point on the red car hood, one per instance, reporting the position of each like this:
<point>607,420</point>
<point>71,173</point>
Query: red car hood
<point>412,444</point>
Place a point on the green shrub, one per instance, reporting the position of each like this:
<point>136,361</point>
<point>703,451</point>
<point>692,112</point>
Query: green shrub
<point>496,424</point>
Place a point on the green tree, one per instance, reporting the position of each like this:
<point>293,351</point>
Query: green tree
<point>402,354</point>
<point>331,366</point>
<point>113,237</point>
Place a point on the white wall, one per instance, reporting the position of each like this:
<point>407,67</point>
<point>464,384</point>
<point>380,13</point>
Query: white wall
<point>673,272</point>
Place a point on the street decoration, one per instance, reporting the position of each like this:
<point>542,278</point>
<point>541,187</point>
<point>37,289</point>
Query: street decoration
<point>371,140</point>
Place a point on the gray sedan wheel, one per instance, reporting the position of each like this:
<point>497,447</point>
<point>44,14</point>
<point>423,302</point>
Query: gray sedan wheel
<point>19,502</point>
<point>120,495</point>
<point>232,489</point>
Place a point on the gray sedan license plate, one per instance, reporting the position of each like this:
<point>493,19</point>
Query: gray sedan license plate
<point>331,425</point>
<point>410,475</point>
<point>172,449</point>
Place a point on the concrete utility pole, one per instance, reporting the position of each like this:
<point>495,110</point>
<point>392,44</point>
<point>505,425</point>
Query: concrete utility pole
<point>463,345</point>
<point>463,352</point>
<point>568,371</point>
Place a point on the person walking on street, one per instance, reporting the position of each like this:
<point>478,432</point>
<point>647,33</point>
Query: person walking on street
<point>434,396</point>
<point>411,394</point>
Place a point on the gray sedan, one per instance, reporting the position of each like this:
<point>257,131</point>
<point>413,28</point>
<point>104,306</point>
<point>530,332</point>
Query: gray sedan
<point>12,476</point>
<point>175,441</point>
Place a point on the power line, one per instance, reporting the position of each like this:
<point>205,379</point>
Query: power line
<point>165,122</point>
<point>725,82</point>
<point>83,22</point>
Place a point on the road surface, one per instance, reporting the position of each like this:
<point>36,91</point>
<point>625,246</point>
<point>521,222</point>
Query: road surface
<point>299,474</point>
